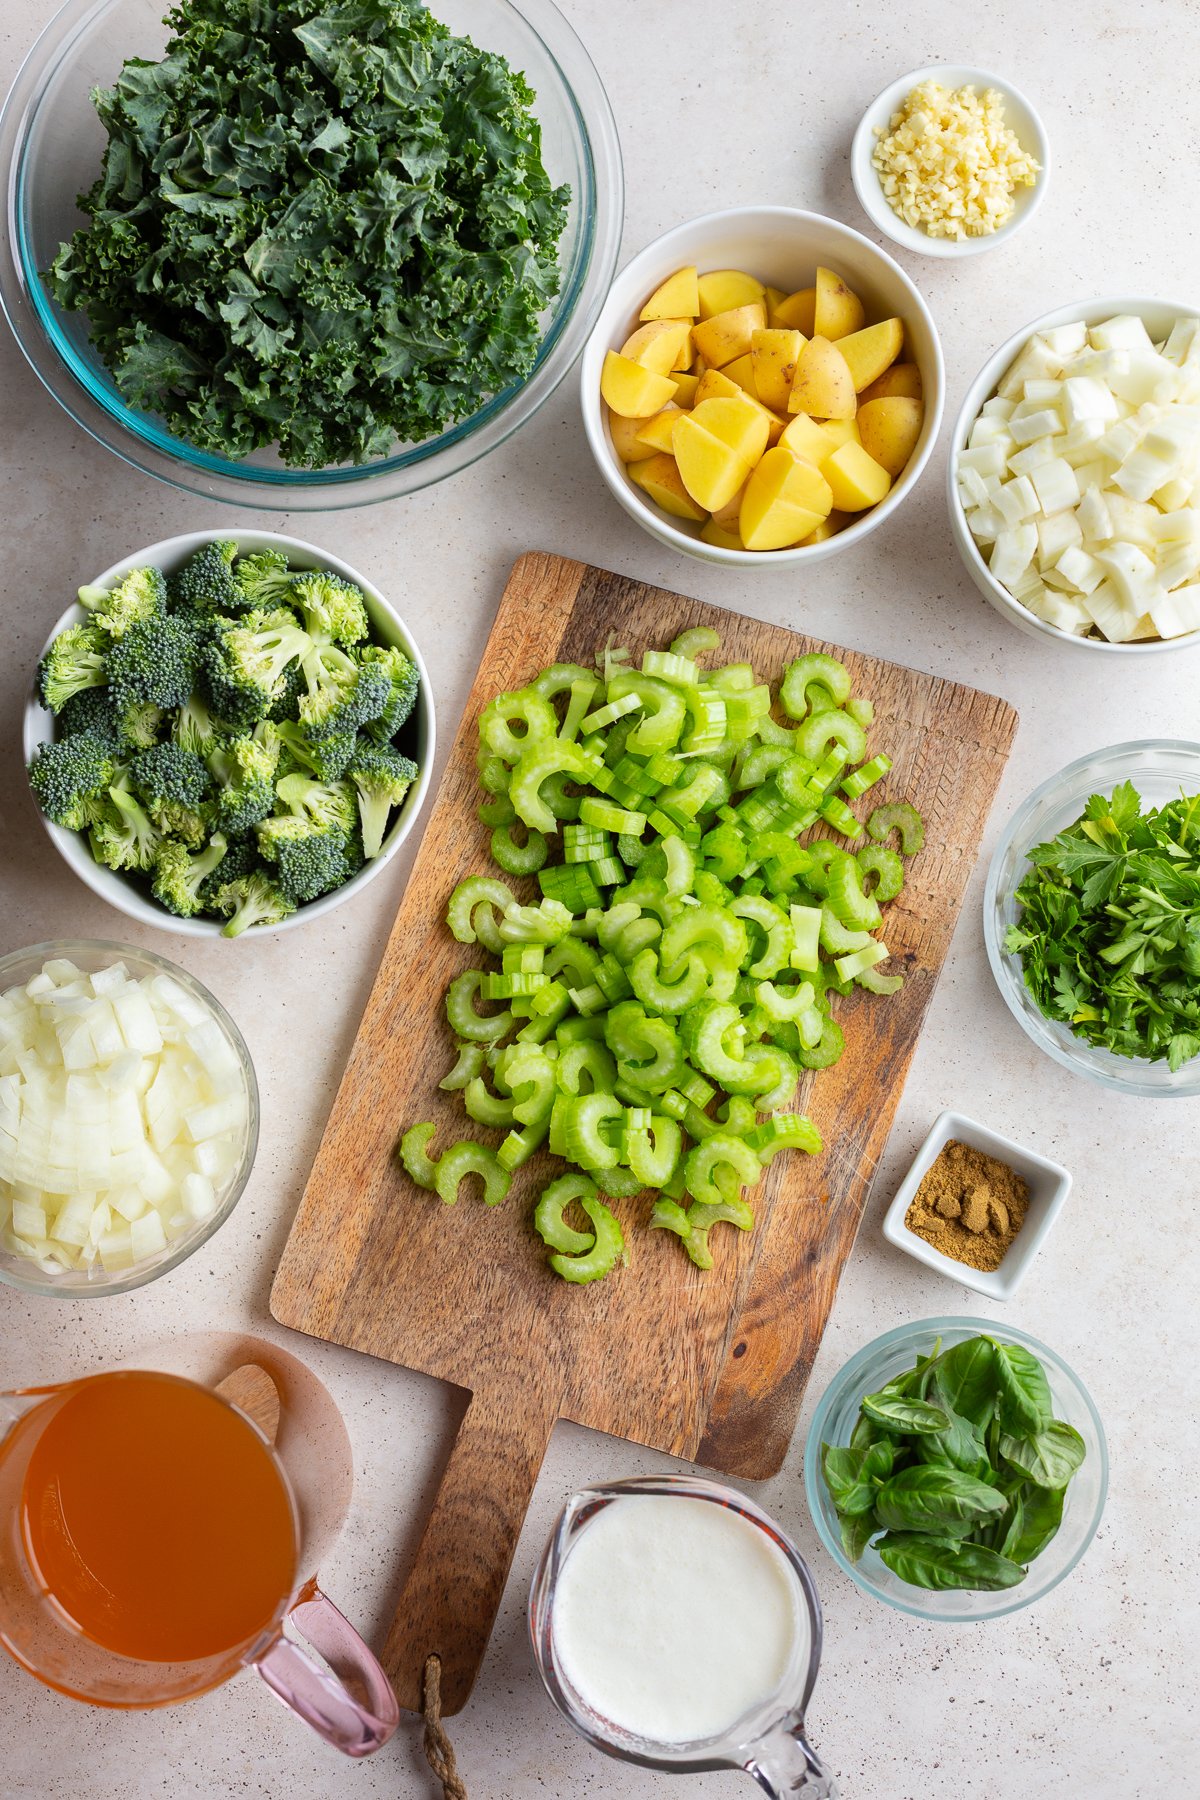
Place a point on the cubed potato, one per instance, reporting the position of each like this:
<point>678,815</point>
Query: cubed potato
<point>902,378</point>
<point>805,438</point>
<point>658,431</point>
<point>727,515</point>
<point>742,426</point>
<point>741,372</point>
<point>773,297</point>
<point>631,390</point>
<point>773,359</point>
<point>870,351</point>
<point>797,312</point>
<point>625,440</point>
<point>710,469</point>
<point>685,388</point>
<point>658,345</point>
<point>723,290</point>
<point>715,384</point>
<point>785,500</point>
<point>678,297</point>
<point>889,429</point>
<point>837,309</point>
<point>823,387</point>
<point>855,479</point>
<point>660,479</point>
<point>721,536</point>
<point>727,335</point>
<point>841,431</point>
<point>837,521</point>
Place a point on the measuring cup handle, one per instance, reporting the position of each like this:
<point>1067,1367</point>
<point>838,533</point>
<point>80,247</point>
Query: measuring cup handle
<point>785,1764</point>
<point>351,1703</point>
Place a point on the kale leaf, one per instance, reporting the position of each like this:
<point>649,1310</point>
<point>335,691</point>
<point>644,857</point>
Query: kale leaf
<point>319,224</point>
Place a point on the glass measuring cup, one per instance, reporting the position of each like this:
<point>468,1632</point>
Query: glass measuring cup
<point>769,1741</point>
<point>346,1698</point>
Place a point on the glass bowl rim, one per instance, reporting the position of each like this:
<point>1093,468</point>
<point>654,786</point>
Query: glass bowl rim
<point>126,1280</point>
<point>848,1375</point>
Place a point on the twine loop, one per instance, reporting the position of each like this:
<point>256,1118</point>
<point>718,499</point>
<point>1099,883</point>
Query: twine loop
<point>439,1751</point>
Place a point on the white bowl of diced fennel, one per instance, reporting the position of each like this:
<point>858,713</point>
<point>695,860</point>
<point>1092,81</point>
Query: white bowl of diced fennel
<point>1074,477</point>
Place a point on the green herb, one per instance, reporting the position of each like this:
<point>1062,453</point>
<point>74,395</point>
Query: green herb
<point>1109,933</point>
<point>958,1462</point>
<point>321,224</point>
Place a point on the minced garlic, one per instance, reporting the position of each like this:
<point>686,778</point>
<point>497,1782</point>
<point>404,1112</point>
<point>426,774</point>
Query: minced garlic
<point>949,165</point>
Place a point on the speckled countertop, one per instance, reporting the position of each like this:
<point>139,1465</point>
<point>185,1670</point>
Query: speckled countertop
<point>1086,1693</point>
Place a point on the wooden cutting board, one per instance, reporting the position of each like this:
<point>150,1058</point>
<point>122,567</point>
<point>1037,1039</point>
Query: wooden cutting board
<point>710,1367</point>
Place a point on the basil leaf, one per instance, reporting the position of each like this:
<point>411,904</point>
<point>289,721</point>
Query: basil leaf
<point>1011,1528</point>
<point>929,1562</point>
<point>1050,1457</point>
<point>853,1476</point>
<point>961,1445</point>
<point>857,1531</point>
<point>896,1412</point>
<point>966,1379</point>
<point>1041,1516</point>
<point>936,1499</point>
<point>1023,1393</point>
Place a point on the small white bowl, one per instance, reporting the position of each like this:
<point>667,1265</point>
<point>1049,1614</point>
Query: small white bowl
<point>1049,1184</point>
<point>1019,115</point>
<point>781,245</point>
<point>132,898</point>
<point>1158,317</point>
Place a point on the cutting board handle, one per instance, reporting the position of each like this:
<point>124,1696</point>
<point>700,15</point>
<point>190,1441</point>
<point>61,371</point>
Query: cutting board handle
<point>451,1598</point>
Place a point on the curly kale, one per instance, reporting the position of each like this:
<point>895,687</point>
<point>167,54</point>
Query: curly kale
<point>319,224</point>
<point>75,661</point>
<point>71,777</point>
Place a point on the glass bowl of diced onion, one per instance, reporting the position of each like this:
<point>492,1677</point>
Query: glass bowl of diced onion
<point>1125,550</point>
<point>128,1117</point>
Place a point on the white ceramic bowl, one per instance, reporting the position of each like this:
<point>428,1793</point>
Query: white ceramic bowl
<point>1048,1183</point>
<point>783,246</point>
<point>1018,113</point>
<point>1158,317</point>
<point>133,898</point>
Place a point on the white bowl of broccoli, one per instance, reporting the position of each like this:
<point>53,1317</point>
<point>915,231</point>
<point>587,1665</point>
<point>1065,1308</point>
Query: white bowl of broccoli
<point>229,731</point>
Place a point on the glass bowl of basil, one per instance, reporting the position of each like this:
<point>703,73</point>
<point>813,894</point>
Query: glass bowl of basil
<point>306,254</point>
<point>955,1470</point>
<point>1091,917</point>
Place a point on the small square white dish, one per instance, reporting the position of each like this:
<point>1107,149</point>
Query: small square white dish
<point>1048,1182</point>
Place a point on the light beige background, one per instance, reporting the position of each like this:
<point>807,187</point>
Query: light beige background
<point>1092,1691</point>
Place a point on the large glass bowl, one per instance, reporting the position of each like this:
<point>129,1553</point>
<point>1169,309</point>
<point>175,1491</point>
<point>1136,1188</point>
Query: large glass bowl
<point>1159,769</point>
<point>91,954</point>
<point>834,1420</point>
<point>50,148</point>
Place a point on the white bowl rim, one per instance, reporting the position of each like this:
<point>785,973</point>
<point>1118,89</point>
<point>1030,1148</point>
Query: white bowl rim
<point>659,524</point>
<point>112,887</point>
<point>979,391</point>
<point>866,181</point>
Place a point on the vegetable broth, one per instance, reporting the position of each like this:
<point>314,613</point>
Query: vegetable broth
<point>155,1519</point>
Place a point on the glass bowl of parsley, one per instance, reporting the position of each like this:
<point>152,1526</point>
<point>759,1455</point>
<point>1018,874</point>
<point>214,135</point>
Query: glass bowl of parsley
<point>306,254</point>
<point>1092,917</point>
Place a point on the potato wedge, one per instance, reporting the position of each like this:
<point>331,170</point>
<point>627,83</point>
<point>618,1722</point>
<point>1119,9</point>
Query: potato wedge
<point>631,390</point>
<point>841,431</point>
<point>625,440</point>
<point>823,387</point>
<point>773,297</point>
<point>727,335</point>
<point>659,477</point>
<point>837,521</point>
<point>659,431</point>
<point>711,470</point>
<point>872,350</point>
<point>742,426</point>
<point>773,359</point>
<point>889,429</point>
<point>855,479</point>
<point>722,290</point>
<point>806,439</point>
<point>685,387</point>
<point>837,309</point>
<point>657,345</point>
<point>902,378</point>
<point>797,312</point>
<point>785,500</point>
<point>721,536</point>
<point>677,297</point>
<point>727,515</point>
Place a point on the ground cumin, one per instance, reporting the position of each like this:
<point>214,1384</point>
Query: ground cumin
<point>969,1206</point>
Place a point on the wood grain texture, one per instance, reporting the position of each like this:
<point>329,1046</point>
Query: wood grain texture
<point>709,1367</point>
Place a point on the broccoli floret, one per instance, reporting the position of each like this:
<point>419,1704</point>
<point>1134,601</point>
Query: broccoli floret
<point>382,777</point>
<point>343,695</point>
<point>287,705</point>
<point>244,772</point>
<point>327,757</point>
<point>138,596</point>
<point>194,728</point>
<point>401,672</point>
<point>77,659</point>
<point>333,610</point>
<point>248,660</point>
<point>70,779</point>
<point>264,578</point>
<point>251,900</point>
<point>124,837</point>
<point>91,710</point>
<point>308,859</point>
<point>180,877</point>
<point>138,724</point>
<point>173,784</point>
<point>205,585</point>
<point>241,858</point>
<point>327,803</point>
<point>154,664</point>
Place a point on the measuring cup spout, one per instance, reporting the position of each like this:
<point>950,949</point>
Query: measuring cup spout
<point>16,1402</point>
<point>784,1764</point>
